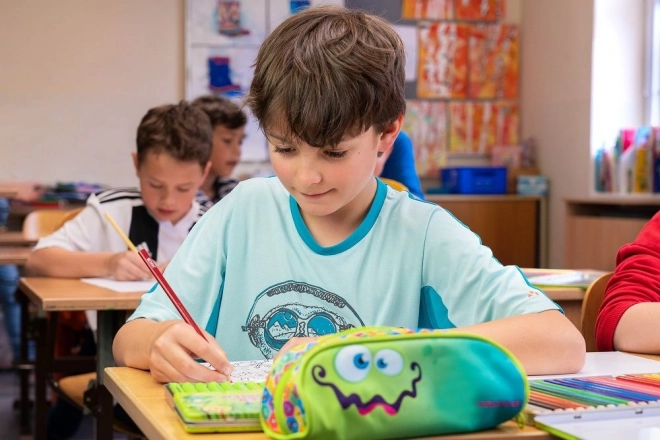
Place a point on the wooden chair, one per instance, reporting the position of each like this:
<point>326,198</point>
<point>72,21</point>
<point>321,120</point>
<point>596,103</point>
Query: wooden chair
<point>42,222</point>
<point>593,298</point>
<point>38,224</point>
<point>394,184</point>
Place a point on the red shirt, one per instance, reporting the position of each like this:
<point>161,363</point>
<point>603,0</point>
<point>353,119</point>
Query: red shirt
<point>635,280</point>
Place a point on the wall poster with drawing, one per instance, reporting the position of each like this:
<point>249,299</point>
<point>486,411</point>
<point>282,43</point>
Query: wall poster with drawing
<point>462,75</point>
<point>222,39</point>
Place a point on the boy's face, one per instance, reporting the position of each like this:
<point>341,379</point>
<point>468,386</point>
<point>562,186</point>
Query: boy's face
<point>168,186</point>
<point>337,183</point>
<point>226,149</point>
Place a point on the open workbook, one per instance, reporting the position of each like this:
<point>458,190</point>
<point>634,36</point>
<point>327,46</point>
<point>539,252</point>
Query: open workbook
<point>561,277</point>
<point>222,406</point>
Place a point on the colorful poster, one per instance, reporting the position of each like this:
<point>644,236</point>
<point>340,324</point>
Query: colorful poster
<point>427,9</point>
<point>280,10</point>
<point>227,71</point>
<point>226,23</point>
<point>426,124</point>
<point>494,67</point>
<point>475,127</point>
<point>443,58</point>
<point>479,10</point>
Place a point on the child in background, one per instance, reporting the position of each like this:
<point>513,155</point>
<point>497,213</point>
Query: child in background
<point>171,162</point>
<point>325,246</point>
<point>628,316</point>
<point>228,122</point>
<point>27,191</point>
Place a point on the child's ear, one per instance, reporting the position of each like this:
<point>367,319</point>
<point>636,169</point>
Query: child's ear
<point>206,170</point>
<point>135,163</point>
<point>389,135</point>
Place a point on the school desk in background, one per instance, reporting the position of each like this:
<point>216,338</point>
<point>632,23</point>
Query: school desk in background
<point>562,277</point>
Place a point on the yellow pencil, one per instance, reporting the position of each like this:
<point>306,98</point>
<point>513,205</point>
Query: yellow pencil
<point>123,236</point>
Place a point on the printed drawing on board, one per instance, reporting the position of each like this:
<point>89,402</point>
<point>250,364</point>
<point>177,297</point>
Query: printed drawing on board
<point>427,9</point>
<point>443,53</point>
<point>425,123</point>
<point>493,58</point>
<point>479,10</point>
<point>475,127</point>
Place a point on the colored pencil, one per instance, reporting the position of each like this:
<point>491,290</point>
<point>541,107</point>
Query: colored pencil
<point>156,272</point>
<point>123,236</point>
<point>607,390</point>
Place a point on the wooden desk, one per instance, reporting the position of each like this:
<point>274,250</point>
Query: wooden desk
<point>16,238</point>
<point>14,254</point>
<point>8,193</point>
<point>59,294</point>
<point>144,400</point>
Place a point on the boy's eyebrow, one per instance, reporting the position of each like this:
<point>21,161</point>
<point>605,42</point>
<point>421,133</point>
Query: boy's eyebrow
<point>154,180</point>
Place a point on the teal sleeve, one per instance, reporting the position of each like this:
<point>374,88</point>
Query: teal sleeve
<point>196,272</point>
<point>464,284</point>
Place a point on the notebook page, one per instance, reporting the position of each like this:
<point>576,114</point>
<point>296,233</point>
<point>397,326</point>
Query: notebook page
<point>248,371</point>
<point>610,363</point>
<point>120,286</point>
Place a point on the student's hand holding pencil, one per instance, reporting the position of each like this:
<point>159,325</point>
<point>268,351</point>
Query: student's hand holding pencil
<point>128,266</point>
<point>172,353</point>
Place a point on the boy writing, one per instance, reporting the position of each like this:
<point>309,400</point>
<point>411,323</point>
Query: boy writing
<point>325,246</point>
<point>171,162</point>
<point>228,122</point>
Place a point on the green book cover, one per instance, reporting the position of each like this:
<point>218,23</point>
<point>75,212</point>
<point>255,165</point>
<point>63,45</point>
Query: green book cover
<point>217,406</point>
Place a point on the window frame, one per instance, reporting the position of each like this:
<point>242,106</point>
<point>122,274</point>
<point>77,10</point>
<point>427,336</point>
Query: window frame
<point>651,92</point>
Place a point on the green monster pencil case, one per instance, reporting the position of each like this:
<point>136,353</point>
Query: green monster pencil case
<point>388,382</point>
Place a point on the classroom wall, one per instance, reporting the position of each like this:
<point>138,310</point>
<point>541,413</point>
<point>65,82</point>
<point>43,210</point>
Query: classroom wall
<point>556,73</point>
<point>76,78</point>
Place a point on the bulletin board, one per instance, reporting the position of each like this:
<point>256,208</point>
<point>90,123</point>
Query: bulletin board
<point>462,68</point>
<point>462,76</point>
<point>222,39</point>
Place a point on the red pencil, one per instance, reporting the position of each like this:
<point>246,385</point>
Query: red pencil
<point>155,271</point>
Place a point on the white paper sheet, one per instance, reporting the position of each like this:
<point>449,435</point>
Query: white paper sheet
<point>611,363</point>
<point>120,286</point>
<point>248,371</point>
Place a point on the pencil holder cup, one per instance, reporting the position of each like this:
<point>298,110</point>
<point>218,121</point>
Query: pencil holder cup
<point>387,382</point>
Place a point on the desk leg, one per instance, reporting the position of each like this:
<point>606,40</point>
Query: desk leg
<point>41,371</point>
<point>108,323</point>
<point>24,365</point>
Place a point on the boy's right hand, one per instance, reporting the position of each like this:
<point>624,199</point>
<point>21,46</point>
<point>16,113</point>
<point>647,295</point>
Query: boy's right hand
<point>128,266</point>
<point>172,354</point>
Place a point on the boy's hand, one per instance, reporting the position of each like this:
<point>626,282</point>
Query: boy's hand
<point>128,266</point>
<point>293,342</point>
<point>172,353</point>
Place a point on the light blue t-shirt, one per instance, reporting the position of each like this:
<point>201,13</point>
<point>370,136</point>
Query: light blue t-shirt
<point>251,273</point>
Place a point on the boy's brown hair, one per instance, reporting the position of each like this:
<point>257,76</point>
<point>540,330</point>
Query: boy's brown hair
<point>221,111</point>
<point>181,130</point>
<point>327,72</point>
